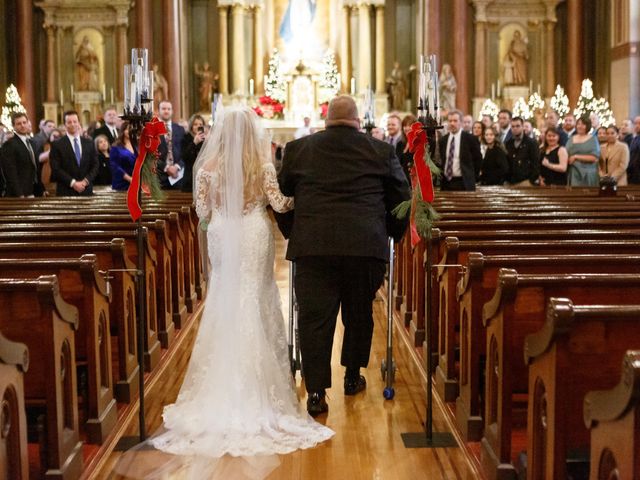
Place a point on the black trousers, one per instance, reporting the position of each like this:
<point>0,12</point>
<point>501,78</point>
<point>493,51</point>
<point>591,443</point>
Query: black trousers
<point>323,285</point>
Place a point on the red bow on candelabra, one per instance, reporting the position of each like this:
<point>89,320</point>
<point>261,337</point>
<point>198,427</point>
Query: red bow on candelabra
<point>144,172</point>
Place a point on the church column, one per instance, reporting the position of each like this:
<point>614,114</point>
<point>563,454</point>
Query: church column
<point>143,26</point>
<point>345,59</point>
<point>460,53</point>
<point>237,26</point>
<point>171,48</point>
<point>51,63</point>
<point>25,86</point>
<point>433,23</point>
<point>576,52</point>
<point>480,59</point>
<point>550,76</point>
<point>121,58</point>
<point>364,48</point>
<point>258,49</point>
<point>380,50</point>
<point>223,50</point>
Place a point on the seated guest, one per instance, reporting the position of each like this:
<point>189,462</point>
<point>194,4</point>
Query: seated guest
<point>104,170</point>
<point>191,145</point>
<point>495,165</point>
<point>614,157</point>
<point>122,159</point>
<point>18,160</point>
<point>553,160</point>
<point>584,152</point>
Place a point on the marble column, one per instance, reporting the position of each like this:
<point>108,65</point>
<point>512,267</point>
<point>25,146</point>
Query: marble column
<point>460,53</point>
<point>550,74</point>
<point>433,23</point>
<point>239,85</point>
<point>51,63</point>
<point>122,58</point>
<point>25,74</point>
<point>223,50</point>
<point>480,59</point>
<point>380,50</point>
<point>258,49</point>
<point>575,54</point>
<point>364,48</point>
<point>144,22</point>
<point>171,50</point>
<point>345,57</point>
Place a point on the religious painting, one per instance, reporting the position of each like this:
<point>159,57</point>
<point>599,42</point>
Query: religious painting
<point>514,55</point>
<point>301,28</point>
<point>88,55</point>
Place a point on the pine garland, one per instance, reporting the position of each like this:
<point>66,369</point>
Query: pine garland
<point>149,178</point>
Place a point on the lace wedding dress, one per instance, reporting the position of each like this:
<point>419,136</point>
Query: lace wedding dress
<point>238,395</point>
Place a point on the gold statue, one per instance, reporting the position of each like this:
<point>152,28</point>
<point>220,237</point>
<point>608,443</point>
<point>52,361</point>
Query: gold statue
<point>87,66</point>
<point>208,85</point>
<point>516,60</point>
<point>160,86</point>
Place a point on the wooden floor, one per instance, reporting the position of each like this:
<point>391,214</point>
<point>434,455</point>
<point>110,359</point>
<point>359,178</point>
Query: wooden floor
<point>367,444</point>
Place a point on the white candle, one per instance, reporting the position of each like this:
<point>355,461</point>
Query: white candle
<point>111,95</point>
<point>251,87</point>
<point>353,86</point>
<point>493,91</point>
<point>61,98</point>
<point>498,88</point>
<point>538,89</point>
<point>530,86</point>
<point>104,92</point>
<point>71,92</point>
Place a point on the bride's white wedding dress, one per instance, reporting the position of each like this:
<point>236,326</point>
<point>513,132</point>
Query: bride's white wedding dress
<point>238,395</point>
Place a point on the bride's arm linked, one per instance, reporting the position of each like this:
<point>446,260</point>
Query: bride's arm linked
<point>277,200</point>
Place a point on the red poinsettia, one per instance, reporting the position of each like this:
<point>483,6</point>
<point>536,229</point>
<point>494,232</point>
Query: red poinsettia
<point>324,108</point>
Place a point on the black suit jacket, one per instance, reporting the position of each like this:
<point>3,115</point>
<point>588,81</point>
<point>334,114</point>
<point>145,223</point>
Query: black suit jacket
<point>345,185</point>
<point>20,171</point>
<point>104,130</point>
<point>470,158</point>
<point>177,136</point>
<point>65,168</point>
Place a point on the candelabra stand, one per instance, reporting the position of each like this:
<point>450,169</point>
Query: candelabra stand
<point>137,119</point>
<point>369,125</point>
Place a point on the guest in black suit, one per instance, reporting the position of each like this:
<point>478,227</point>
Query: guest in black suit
<point>101,142</point>
<point>460,156</point>
<point>42,137</point>
<point>19,163</point>
<point>191,145</point>
<point>74,163</point>
<point>504,126</point>
<point>494,164</point>
<point>523,154</point>
<point>109,128</point>
<point>345,185</point>
<point>170,165</point>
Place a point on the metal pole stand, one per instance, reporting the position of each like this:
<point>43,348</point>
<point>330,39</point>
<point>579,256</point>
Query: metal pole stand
<point>294,333</point>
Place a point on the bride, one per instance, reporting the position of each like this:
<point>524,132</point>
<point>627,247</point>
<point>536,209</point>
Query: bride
<point>238,395</point>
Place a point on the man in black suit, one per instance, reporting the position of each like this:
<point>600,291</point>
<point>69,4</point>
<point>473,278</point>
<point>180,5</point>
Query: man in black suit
<point>504,125</point>
<point>19,162</point>
<point>345,185</point>
<point>109,128</point>
<point>74,163</point>
<point>170,165</point>
<point>460,156</point>
<point>524,157</point>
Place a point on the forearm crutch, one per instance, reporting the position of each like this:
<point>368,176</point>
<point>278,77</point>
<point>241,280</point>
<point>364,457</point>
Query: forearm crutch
<point>294,335</point>
<point>388,366</point>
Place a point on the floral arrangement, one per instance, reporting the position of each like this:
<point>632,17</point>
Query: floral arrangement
<point>324,108</point>
<point>269,108</point>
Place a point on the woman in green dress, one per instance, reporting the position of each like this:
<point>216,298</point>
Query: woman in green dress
<point>584,152</point>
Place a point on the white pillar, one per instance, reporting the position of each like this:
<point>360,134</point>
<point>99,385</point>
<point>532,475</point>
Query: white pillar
<point>239,74</point>
<point>223,50</point>
<point>364,48</point>
<point>380,50</point>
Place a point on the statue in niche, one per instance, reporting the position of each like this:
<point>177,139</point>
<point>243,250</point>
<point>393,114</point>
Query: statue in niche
<point>515,63</point>
<point>397,88</point>
<point>160,86</point>
<point>87,66</point>
<point>208,85</point>
<point>448,88</point>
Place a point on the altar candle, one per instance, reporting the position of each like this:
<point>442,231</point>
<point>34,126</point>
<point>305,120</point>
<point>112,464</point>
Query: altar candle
<point>498,88</point>
<point>493,91</point>
<point>538,89</point>
<point>353,86</point>
<point>104,92</point>
<point>61,98</point>
<point>530,86</point>
<point>71,92</point>
<point>111,95</point>
<point>251,87</point>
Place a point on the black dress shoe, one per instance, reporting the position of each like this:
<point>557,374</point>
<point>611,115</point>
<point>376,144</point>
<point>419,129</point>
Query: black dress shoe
<point>316,404</point>
<point>353,386</point>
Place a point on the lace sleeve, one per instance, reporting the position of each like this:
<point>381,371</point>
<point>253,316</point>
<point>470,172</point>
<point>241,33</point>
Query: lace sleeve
<point>277,200</point>
<point>203,202</point>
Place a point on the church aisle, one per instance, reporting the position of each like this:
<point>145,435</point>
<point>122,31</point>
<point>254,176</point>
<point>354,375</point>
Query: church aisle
<point>367,444</point>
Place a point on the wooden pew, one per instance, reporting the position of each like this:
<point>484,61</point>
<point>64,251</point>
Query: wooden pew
<point>152,344</point>
<point>613,417</point>
<point>516,310</point>
<point>578,349</point>
<point>14,362</point>
<point>82,285</point>
<point>478,285</point>
<point>111,256</point>
<point>36,315</point>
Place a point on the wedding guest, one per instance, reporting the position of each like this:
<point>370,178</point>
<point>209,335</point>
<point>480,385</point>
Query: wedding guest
<point>626,131</point>
<point>553,160</point>
<point>504,125</point>
<point>104,170</point>
<point>633,170</point>
<point>46,127</point>
<point>569,125</point>
<point>601,135</point>
<point>395,135</point>
<point>522,151</point>
<point>406,157</point>
<point>170,165</point>
<point>487,121</point>
<point>43,158</point>
<point>552,120</point>
<point>191,145</point>
<point>18,160</point>
<point>595,123</point>
<point>477,130</point>
<point>527,129</point>
<point>378,133</point>
<point>495,165</point>
<point>109,129</point>
<point>460,156</point>
<point>122,159</point>
<point>614,157</point>
<point>467,123</point>
<point>584,152</point>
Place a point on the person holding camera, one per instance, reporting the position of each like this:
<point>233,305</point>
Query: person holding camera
<point>191,145</point>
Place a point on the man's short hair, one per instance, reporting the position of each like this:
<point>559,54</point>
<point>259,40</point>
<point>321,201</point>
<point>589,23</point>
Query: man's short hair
<point>68,113</point>
<point>165,101</point>
<point>396,116</point>
<point>517,119</point>
<point>508,112</point>
<point>456,112</point>
<point>16,115</point>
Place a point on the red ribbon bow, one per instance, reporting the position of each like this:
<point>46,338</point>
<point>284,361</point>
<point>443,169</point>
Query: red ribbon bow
<point>149,143</point>
<point>420,173</point>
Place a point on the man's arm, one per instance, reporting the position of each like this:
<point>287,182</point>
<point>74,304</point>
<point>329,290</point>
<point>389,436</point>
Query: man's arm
<point>8,161</point>
<point>55,159</point>
<point>476,155</point>
<point>285,177</point>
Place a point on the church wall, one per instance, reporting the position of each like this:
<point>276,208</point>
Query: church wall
<point>9,60</point>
